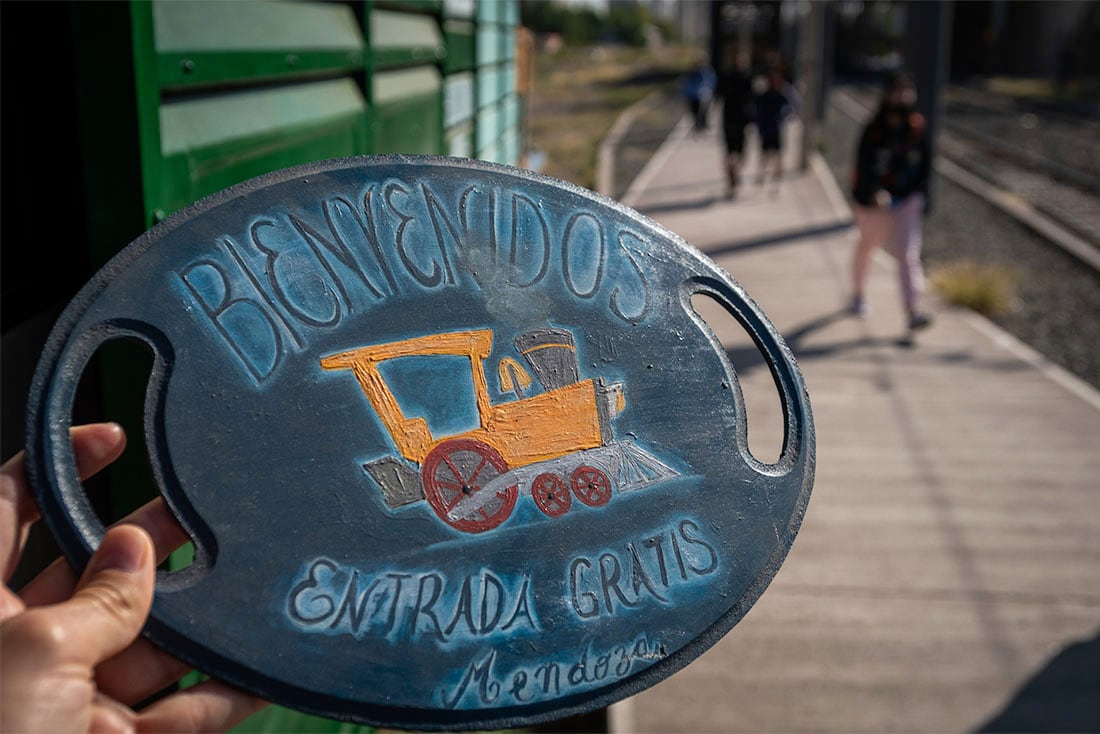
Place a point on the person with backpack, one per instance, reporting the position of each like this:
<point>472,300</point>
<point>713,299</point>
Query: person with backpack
<point>778,101</point>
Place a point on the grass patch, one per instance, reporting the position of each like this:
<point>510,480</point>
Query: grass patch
<point>1044,90</point>
<point>578,94</point>
<point>988,289</point>
<point>1021,87</point>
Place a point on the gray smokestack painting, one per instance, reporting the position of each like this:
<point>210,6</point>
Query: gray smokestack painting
<point>551,354</point>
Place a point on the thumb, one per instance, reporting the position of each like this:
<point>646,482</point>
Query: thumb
<point>113,597</point>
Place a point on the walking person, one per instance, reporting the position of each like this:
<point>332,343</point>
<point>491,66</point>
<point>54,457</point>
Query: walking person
<point>890,188</point>
<point>776,103</point>
<point>698,89</point>
<point>735,89</point>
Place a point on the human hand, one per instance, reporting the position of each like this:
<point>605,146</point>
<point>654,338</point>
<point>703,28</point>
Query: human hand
<point>72,656</point>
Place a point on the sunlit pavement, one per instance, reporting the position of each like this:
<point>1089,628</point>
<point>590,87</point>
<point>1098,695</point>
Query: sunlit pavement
<point>947,575</point>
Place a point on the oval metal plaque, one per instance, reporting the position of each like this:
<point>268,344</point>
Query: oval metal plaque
<point>453,447</point>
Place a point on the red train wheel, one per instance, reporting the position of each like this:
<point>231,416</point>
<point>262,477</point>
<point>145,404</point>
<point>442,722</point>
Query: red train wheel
<point>591,486</point>
<point>551,495</point>
<point>454,474</point>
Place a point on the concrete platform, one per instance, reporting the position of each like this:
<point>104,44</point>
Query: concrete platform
<point>947,576</point>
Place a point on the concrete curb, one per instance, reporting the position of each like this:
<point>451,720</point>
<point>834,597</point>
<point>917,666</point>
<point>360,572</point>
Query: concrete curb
<point>642,180</point>
<point>825,177</point>
<point>605,153</point>
<point>1055,373</point>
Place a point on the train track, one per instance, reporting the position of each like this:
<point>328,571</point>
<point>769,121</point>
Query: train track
<point>1065,147</point>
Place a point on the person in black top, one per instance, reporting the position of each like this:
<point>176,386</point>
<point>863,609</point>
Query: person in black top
<point>890,188</point>
<point>735,88</point>
<point>775,104</point>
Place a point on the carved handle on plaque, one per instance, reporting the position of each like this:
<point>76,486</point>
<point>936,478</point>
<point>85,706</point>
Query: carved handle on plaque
<point>51,466</point>
<point>798,436</point>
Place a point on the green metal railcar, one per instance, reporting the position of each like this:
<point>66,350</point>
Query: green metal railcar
<point>222,90</point>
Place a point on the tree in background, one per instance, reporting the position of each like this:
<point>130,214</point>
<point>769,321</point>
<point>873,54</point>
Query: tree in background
<point>582,26</point>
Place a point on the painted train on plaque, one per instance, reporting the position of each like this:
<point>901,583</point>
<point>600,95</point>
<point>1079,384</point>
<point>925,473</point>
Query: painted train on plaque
<point>554,441</point>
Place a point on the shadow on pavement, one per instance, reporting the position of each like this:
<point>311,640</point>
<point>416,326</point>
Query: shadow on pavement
<point>747,358</point>
<point>1062,697</point>
<point>680,205</point>
<point>778,238</point>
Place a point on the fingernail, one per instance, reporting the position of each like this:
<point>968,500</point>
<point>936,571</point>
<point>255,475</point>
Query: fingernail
<point>119,551</point>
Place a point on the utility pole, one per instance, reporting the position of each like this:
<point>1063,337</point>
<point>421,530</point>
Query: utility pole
<point>810,75</point>
<point>927,49</point>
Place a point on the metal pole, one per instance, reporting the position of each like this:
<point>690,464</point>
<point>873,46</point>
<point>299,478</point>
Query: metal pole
<point>810,78</point>
<point>927,48</point>
<point>828,54</point>
<point>716,39</point>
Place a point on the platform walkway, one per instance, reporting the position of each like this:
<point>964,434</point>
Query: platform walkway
<point>947,575</point>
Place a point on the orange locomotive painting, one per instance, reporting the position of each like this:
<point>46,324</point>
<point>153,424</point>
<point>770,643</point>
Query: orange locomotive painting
<point>554,444</point>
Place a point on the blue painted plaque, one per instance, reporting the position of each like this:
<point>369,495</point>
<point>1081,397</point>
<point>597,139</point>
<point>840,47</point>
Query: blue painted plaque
<point>454,449</point>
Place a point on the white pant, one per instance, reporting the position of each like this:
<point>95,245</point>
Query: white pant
<point>902,224</point>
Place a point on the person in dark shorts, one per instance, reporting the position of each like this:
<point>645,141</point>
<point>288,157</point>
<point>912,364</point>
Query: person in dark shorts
<point>778,101</point>
<point>735,89</point>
